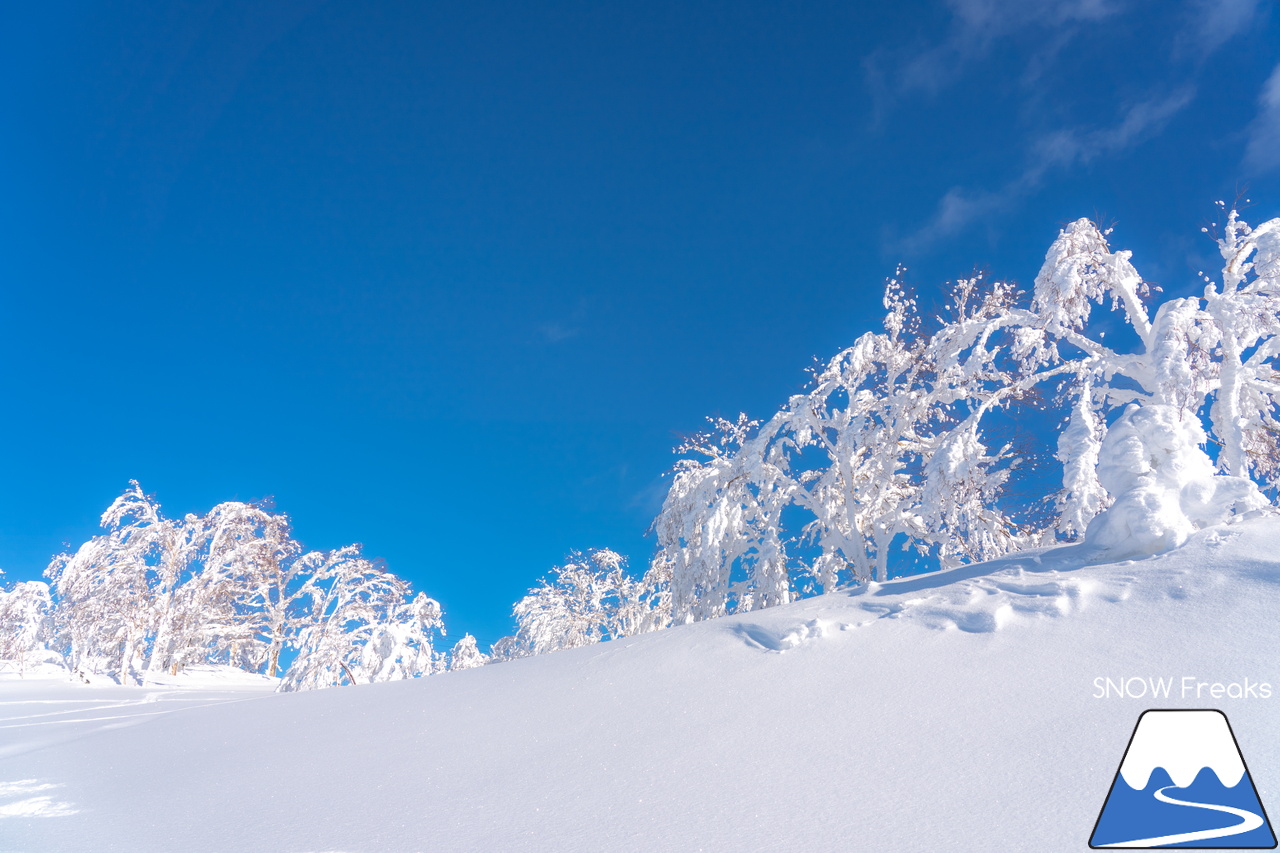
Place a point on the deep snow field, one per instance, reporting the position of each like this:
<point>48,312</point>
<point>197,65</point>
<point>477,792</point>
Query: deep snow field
<point>954,711</point>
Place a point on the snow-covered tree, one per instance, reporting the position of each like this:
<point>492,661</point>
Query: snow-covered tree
<point>887,445</point>
<point>1165,486</point>
<point>1082,495</point>
<point>152,595</point>
<point>895,442</point>
<point>402,645</point>
<point>106,607</point>
<point>183,612</point>
<point>25,623</point>
<point>466,654</point>
<point>1213,354</point>
<point>355,627</point>
<point>1245,311</point>
<point>507,649</point>
<point>589,599</point>
<point>250,585</point>
<point>719,525</point>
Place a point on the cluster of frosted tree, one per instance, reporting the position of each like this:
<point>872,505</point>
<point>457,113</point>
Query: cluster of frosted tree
<point>25,625</point>
<point>902,444</point>
<point>897,447</point>
<point>905,444</point>
<point>591,598</point>
<point>153,595</point>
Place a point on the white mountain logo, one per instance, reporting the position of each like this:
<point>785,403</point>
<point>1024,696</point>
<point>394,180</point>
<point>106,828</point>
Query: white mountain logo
<point>1183,783</point>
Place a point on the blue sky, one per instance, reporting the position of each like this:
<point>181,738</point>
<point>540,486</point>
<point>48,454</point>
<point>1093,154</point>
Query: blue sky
<point>450,279</point>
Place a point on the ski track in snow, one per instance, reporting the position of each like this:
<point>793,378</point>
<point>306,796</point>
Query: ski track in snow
<point>1248,822</point>
<point>33,723</point>
<point>93,713</point>
<point>28,724</point>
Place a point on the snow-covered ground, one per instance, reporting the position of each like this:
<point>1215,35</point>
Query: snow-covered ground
<point>956,711</point>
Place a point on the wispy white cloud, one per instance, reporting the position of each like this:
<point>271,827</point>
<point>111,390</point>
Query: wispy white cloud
<point>1071,146</point>
<point>1212,23</point>
<point>554,333</point>
<point>975,26</point>
<point>1006,15</point>
<point>1262,153</point>
<point>555,330</point>
<point>960,208</point>
<point>956,212</point>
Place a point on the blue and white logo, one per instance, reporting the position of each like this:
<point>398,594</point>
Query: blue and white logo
<point>1183,783</point>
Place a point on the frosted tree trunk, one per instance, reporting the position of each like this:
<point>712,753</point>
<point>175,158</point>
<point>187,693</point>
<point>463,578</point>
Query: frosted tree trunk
<point>1226,409</point>
<point>277,643</point>
<point>159,647</point>
<point>125,657</point>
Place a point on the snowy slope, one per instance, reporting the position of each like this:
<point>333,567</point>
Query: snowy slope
<point>949,712</point>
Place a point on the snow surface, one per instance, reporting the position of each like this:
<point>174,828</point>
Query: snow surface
<point>955,711</point>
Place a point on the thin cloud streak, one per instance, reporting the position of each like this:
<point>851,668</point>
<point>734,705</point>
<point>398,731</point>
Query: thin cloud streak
<point>1007,15</point>
<point>1262,153</point>
<point>959,208</point>
<point>554,333</point>
<point>1212,23</point>
<point>1144,120</point>
<point>976,25</point>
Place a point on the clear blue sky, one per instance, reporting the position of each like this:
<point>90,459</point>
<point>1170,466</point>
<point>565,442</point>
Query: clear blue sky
<point>449,279</point>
